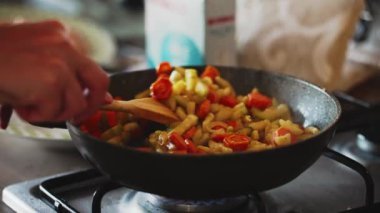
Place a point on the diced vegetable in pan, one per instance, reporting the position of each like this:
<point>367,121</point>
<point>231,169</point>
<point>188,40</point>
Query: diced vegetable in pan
<point>214,118</point>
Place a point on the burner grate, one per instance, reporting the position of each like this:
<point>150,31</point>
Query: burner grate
<point>50,188</point>
<point>362,117</point>
<point>357,167</point>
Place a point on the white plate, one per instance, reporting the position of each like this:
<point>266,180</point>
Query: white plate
<point>100,43</point>
<point>21,128</point>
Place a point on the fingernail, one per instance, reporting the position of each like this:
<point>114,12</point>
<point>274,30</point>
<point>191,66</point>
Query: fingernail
<point>108,98</point>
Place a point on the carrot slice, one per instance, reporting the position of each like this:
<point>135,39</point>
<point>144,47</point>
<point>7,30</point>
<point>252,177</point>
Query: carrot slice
<point>237,142</point>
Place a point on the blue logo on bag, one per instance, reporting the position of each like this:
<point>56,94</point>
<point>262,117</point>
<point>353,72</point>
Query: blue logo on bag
<point>180,49</point>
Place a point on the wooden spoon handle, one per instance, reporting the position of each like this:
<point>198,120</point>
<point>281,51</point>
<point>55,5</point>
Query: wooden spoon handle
<point>146,108</point>
<point>116,105</point>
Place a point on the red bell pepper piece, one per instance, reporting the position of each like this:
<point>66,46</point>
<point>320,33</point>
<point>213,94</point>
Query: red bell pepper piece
<point>234,124</point>
<point>212,96</point>
<point>219,137</point>
<point>163,76</point>
<point>219,125</point>
<point>164,68</point>
<point>161,89</point>
<point>111,118</point>
<point>191,148</point>
<point>283,131</point>
<point>210,71</point>
<point>258,100</point>
<point>178,141</point>
<point>92,123</point>
<point>203,109</point>
<point>189,133</point>
<point>228,100</point>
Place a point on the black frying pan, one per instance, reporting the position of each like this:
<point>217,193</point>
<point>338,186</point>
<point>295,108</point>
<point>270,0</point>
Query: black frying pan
<point>213,176</point>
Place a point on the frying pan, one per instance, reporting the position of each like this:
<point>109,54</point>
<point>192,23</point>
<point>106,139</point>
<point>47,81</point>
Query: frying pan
<point>215,176</point>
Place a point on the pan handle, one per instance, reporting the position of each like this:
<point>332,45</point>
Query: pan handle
<point>356,113</point>
<point>60,125</point>
<point>6,112</point>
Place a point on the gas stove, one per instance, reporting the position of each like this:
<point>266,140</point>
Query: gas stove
<point>344,179</point>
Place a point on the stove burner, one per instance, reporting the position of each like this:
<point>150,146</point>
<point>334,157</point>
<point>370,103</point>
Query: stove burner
<point>369,140</point>
<point>153,202</point>
<point>367,145</point>
<point>360,148</point>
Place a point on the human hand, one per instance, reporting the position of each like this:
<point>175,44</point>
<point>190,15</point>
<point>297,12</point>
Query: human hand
<point>44,77</point>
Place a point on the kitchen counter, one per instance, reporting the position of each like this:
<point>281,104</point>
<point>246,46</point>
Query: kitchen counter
<point>24,159</point>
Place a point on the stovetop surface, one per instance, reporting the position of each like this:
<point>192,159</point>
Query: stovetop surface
<point>327,186</point>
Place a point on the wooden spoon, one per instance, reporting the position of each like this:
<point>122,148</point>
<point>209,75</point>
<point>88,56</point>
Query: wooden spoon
<point>147,108</point>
